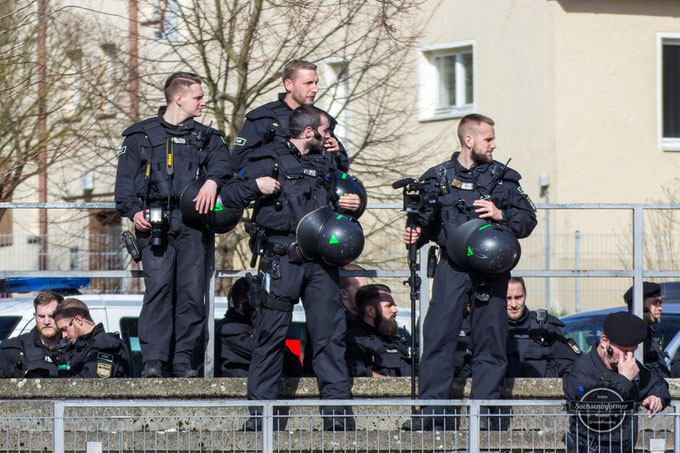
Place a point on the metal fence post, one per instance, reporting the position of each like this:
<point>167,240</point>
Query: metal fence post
<point>424,301</point>
<point>473,423</point>
<point>267,426</point>
<point>58,427</point>
<point>209,362</point>
<point>577,266</point>
<point>676,427</point>
<point>638,264</point>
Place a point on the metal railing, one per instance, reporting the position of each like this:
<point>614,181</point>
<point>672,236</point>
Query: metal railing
<point>376,426</point>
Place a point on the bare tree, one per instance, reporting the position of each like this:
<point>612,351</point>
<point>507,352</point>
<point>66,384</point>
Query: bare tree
<point>239,48</point>
<point>43,113</point>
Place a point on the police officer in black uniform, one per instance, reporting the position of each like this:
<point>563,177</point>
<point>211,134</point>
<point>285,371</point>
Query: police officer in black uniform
<point>470,185</point>
<point>536,346</point>
<point>303,184</point>
<point>234,338</point>
<point>94,353</point>
<point>37,353</point>
<point>652,348</point>
<point>159,157</point>
<point>374,348</point>
<point>611,365</point>
<point>270,121</point>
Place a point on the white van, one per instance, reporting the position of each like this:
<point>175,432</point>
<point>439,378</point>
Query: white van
<point>120,313</point>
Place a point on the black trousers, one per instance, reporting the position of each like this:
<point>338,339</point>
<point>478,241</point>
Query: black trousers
<point>317,285</point>
<point>489,332</point>
<point>174,302</point>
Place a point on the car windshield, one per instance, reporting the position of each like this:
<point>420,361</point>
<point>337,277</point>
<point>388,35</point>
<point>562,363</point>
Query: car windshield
<point>586,329</point>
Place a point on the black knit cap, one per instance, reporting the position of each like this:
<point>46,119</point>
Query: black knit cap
<point>624,329</point>
<point>649,289</point>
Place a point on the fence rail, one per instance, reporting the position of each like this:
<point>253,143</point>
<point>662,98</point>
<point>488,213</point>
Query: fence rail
<point>296,425</point>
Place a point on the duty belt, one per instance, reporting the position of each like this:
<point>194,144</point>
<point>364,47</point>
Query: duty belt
<point>277,248</point>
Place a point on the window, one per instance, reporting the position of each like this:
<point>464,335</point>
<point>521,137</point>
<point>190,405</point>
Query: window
<point>337,76</point>
<point>446,79</point>
<point>669,91</point>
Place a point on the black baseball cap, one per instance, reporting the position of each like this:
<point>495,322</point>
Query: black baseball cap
<point>624,329</point>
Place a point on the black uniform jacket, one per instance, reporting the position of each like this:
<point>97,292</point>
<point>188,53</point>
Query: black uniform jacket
<point>458,187</point>
<point>27,356</point>
<point>99,355</point>
<point>590,372</point>
<point>187,151</point>
<point>306,183</point>
<point>235,344</point>
<point>369,351</point>
<point>268,123</point>
<point>654,355</point>
<point>538,349</point>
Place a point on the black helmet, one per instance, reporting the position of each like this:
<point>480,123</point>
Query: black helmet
<point>484,247</point>
<point>345,183</point>
<point>334,238</point>
<point>219,220</point>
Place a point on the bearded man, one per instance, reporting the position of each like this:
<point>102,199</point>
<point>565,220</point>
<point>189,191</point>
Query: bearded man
<point>373,346</point>
<point>35,354</point>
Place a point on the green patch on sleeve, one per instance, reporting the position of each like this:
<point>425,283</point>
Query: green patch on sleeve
<point>240,141</point>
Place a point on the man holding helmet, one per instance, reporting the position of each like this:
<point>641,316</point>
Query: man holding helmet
<point>159,158</point>
<point>471,185</point>
<point>299,178</point>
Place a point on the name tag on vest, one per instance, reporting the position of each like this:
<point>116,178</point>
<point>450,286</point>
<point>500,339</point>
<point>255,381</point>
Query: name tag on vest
<point>178,140</point>
<point>309,172</point>
<point>458,184</point>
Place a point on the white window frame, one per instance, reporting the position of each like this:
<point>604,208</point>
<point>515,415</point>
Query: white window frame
<point>428,81</point>
<point>342,129</point>
<point>665,143</point>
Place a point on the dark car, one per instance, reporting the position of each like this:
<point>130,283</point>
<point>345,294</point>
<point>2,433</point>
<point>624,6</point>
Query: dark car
<point>585,328</point>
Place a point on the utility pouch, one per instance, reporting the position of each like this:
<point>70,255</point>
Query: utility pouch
<point>431,262</point>
<point>132,247</point>
<point>294,254</point>
<point>255,290</point>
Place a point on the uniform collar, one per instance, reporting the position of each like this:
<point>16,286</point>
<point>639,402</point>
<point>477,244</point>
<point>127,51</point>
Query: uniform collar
<point>185,128</point>
<point>282,98</point>
<point>522,319</point>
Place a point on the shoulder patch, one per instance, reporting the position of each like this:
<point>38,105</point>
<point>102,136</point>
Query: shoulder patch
<point>240,141</point>
<point>574,347</point>
<point>104,370</point>
<point>105,357</point>
<point>122,150</point>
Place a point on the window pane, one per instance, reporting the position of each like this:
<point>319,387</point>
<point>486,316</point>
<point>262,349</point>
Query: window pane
<point>446,68</point>
<point>671,90</point>
<point>467,65</point>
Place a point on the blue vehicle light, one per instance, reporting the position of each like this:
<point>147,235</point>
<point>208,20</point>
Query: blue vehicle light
<point>28,284</point>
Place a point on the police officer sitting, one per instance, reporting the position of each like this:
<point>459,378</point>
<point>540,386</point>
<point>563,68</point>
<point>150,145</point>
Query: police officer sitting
<point>94,353</point>
<point>303,185</point>
<point>652,348</point>
<point>158,159</point>
<point>373,346</point>
<point>235,342</point>
<point>269,122</point>
<point>35,354</point>
<point>536,346</point>
<point>610,370</point>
